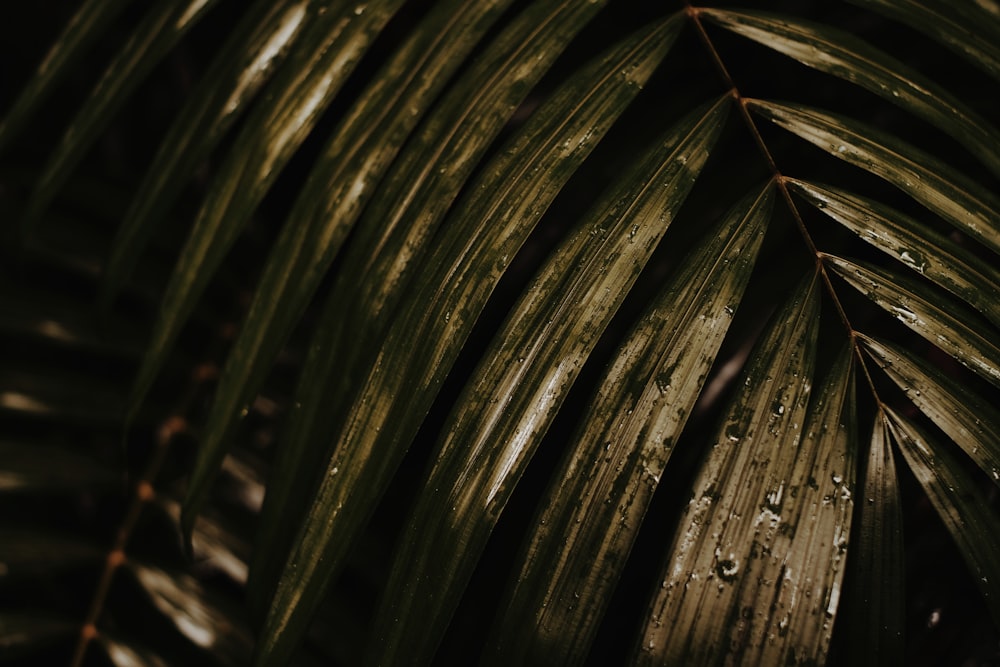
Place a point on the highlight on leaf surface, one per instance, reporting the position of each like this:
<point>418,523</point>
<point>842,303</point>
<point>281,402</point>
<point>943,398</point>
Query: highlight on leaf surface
<point>475,332</point>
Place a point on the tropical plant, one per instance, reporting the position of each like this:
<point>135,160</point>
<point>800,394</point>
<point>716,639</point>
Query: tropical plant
<point>519,332</point>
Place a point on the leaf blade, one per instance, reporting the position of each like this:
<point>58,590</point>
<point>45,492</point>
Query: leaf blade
<point>932,255</point>
<point>586,528</point>
<point>739,493</point>
<point>514,395</point>
<point>243,65</point>
<point>400,389</point>
<point>161,29</point>
<point>940,321</point>
<point>845,56</point>
<point>959,502</point>
<point>967,418</point>
<point>968,206</point>
<point>322,60</point>
<point>875,626</point>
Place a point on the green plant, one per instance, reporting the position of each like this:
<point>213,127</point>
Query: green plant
<point>461,284</point>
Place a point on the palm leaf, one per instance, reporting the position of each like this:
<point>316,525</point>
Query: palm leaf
<point>579,547</point>
<point>876,627</point>
<point>502,369</point>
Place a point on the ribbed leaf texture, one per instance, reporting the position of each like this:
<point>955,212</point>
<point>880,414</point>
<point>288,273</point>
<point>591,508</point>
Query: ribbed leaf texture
<point>489,332</point>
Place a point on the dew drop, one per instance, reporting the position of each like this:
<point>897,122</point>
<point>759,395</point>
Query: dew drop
<point>727,569</point>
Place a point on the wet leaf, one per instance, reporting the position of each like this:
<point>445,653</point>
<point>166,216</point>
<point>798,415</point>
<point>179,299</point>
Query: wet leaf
<point>960,503</point>
<point>970,207</point>
<point>489,224</point>
<point>738,504</point>
<point>593,511</point>
<point>966,417</point>
<point>930,254</point>
<point>843,55</point>
<point>319,64</point>
<point>875,576</point>
<point>941,321</point>
<point>513,396</point>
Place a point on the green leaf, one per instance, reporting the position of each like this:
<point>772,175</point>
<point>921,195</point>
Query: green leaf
<point>319,64</point>
<point>973,36</point>
<point>513,396</point>
<point>161,29</point>
<point>482,234</point>
<point>960,503</point>
<point>737,508</point>
<point>338,189</point>
<point>970,207</point>
<point>390,240</point>
<point>875,618</point>
<point>593,511</point>
<point>939,320</point>
<point>966,417</point>
<point>845,56</point>
<point>933,255</point>
<point>87,26</point>
<point>244,64</point>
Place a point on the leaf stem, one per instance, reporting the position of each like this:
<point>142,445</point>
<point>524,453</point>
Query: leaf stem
<point>144,494</point>
<point>694,13</point>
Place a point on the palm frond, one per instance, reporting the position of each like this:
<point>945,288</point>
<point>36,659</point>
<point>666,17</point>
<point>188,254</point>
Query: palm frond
<point>480,329</point>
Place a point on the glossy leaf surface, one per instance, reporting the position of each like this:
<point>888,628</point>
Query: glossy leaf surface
<point>599,497</point>
<point>727,529</point>
<point>491,224</point>
<point>942,323</point>
<point>542,348</point>
<point>958,500</point>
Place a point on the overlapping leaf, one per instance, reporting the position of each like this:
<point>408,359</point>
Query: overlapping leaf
<point>389,241</point>
<point>944,323</point>
<point>958,500</point>
<point>320,63</point>
<point>486,228</point>
<point>875,621</point>
<point>970,207</point>
<point>515,394</point>
<point>697,615</point>
<point>934,256</point>
<point>968,418</point>
<point>244,64</point>
<point>842,54</point>
<point>162,27</point>
<point>596,505</point>
<point>329,204</point>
